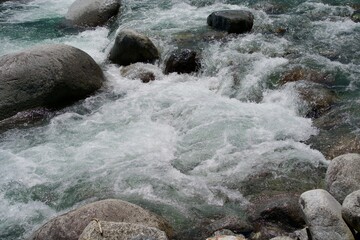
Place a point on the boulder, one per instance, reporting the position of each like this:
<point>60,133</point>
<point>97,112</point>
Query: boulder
<point>322,214</point>
<point>46,76</point>
<point>343,176</point>
<point>69,226</point>
<point>232,21</point>
<point>141,71</point>
<point>92,13</point>
<point>351,210</point>
<point>102,230</point>
<point>131,47</point>
<point>183,61</point>
<point>356,16</point>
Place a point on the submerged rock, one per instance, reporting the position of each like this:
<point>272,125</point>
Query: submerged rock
<point>131,47</point>
<point>343,176</point>
<point>142,71</point>
<point>69,226</point>
<point>102,230</point>
<point>92,13</point>
<point>232,21</point>
<point>356,16</point>
<point>351,210</point>
<point>46,76</point>
<point>300,73</point>
<point>183,61</point>
<point>323,216</point>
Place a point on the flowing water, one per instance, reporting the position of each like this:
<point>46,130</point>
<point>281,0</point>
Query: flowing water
<point>182,145</point>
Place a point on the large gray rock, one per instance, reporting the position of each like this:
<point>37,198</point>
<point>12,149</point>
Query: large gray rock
<point>131,47</point>
<point>70,225</point>
<point>92,13</point>
<point>343,175</point>
<point>323,216</point>
<point>102,230</point>
<point>351,210</point>
<point>46,76</point>
<point>232,21</point>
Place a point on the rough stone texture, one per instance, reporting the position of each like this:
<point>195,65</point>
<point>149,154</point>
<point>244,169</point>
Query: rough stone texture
<point>46,76</point>
<point>142,71</point>
<point>323,216</point>
<point>102,230</point>
<point>356,16</point>
<point>282,238</point>
<point>232,21</point>
<point>92,13</point>
<point>343,176</point>
<point>69,226</point>
<point>351,210</point>
<point>183,61</point>
<point>301,234</point>
<point>131,47</point>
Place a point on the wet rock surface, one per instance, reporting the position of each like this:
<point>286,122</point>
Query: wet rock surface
<point>232,21</point>
<point>183,61</point>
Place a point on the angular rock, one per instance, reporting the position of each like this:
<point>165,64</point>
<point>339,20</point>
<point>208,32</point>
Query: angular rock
<point>323,216</point>
<point>46,76</point>
<point>103,230</point>
<point>343,176</point>
<point>183,61</point>
<point>356,16</point>
<point>351,210</point>
<point>92,13</point>
<point>131,47</point>
<point>69,226</point>
<point>232,21</point>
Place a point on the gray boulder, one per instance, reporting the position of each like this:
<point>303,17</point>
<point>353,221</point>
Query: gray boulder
<point>92,13</point>
<point>351,210</point>
<point>69,226</point>
<point>232,21</point>
<point>323,216</point>
<point>183,61</point>
<point>46,76</point>
<point>102,230</point>
<point>343,175</point>
<point>131,47</point>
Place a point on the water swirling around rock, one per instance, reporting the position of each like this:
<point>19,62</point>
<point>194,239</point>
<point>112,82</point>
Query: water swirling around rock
<point>190,147</point>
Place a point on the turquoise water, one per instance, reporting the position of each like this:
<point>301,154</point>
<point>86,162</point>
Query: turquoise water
<point>184,145</point>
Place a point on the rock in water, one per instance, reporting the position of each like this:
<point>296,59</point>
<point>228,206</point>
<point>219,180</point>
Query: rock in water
<point>343,175</point>
<point>92,13</point>
<point>184,61</point>
<point>323,216</point>
<point>232,21</point>
<point>356,16</point>
<point>131,47</point>
<point>69,226</point>
<point>351,210</point>
<point>46,76</point>
<point>102,230</point>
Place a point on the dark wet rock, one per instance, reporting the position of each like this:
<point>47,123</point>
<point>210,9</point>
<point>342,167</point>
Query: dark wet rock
<point>182,61</point>
<point>356,16</point>
<point>232,21</point>
<point>299,73</point>
<point>351,210</point>
<point>141,71</point>
<point>103,230</point>
<point>49,76</point>
<point>318,98</point>
<point>343,176</point>
<point>69,226</point>
<point>282,209</point>
<point>92,13</point>
<point>267,230</point>
<point>231,223</point>
<point>131,47</point>
<point>322,214</point>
